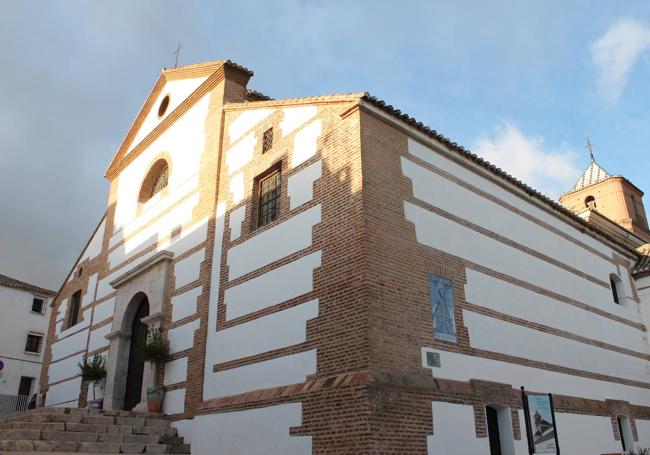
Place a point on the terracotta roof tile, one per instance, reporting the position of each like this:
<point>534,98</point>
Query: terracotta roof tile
<point>642,267</point>
<point>333,98</point>
<point>209,64</point>
<point>254,95</point>
<point>17,284</point>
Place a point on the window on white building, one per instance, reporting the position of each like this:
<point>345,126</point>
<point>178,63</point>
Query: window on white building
<point>617,288</point>
<point>33,344</point>
<point>38,305</point>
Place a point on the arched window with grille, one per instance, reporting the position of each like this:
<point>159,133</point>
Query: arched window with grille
<point>155,181</point>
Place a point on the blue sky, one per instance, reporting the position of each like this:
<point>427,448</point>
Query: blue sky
<point>521,83</point>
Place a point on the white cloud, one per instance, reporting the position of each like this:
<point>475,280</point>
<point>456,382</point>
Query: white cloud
<point>616,52</point>
<point>551,171</point>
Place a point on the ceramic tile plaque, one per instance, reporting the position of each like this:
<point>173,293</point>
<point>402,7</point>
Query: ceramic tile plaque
<point>441,293</point>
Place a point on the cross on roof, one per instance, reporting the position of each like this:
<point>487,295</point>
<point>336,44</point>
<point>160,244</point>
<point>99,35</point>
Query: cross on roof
<point>177,52</point>
<point>591,152</point>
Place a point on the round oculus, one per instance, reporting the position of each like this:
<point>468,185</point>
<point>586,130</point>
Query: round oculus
<point>164,104</point>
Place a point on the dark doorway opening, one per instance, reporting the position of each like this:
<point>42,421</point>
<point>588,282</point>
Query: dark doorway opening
<point>133,392</point>
<point>493,430</point>
<point>620,432</point>
<point>25,386</point>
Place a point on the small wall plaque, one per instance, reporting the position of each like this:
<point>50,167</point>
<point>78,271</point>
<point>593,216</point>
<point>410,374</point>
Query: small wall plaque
<point>433,359</point>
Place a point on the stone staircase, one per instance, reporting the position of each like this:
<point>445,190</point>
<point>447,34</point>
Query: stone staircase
<point>73,430</point>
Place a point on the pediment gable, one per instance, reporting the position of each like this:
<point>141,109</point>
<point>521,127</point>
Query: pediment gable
<point>177,84</point>
<point>168,97</point>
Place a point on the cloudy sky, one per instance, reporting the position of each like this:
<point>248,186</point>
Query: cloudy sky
<point>521,83</point>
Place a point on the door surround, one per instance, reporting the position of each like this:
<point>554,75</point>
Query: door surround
<point>151,278</point>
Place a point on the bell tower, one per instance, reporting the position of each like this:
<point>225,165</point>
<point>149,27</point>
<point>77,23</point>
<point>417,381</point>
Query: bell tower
<point>599,194</point>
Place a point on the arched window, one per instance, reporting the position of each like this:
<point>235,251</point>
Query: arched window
<point>590,202</point>
<point>155,181</point>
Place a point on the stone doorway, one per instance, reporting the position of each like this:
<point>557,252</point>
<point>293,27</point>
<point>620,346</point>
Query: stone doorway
<point>135,372</point>
<point>146,282</point>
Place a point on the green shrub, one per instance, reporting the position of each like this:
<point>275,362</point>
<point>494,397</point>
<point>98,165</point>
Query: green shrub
<point>93,371</point>
<point>153,347</point>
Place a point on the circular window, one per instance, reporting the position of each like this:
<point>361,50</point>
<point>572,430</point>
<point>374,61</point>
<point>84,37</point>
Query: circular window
<point>163,106</point>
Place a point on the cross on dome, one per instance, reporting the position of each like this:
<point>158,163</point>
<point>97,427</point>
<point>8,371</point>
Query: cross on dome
<point>593,174</point>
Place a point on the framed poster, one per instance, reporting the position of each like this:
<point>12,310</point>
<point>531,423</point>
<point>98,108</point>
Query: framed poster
<point>540,423</point>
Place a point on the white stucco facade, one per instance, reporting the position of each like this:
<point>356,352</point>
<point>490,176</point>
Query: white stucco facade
<point>17,321</point>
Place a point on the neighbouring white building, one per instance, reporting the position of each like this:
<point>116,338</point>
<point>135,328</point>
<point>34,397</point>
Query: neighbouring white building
<point>335,277</point>
<point>24,317</point>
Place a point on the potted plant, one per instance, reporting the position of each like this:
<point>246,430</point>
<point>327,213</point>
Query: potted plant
<point>94,371</point>
<point>154,348</point>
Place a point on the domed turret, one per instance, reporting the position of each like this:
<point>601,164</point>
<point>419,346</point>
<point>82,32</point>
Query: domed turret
<point>599,194</point>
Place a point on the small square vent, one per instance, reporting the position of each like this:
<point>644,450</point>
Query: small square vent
<point>433,359</point>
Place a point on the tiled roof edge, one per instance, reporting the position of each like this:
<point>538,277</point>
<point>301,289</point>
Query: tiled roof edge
<point>332,98</point>
<point>18,284</point>
<point>467,154</point>
<point>254,95</point>
<point>239,67</point>
<point>83,250</point>
<point>642,267</point>
<point>207,64</point>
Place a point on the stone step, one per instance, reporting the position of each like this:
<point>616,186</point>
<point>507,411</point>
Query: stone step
<point>27,445</point>
<point>87,431</point>
<point>86,411</point>
<point>20,434</point>
<point>160,431</point>
<point>86,436</point>
<point>48,414</point>
<point>84,427</point>
<point>50,426</point>
<point>88,420</point>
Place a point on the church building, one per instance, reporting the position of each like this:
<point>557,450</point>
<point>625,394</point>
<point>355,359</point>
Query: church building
<point>335,277</point>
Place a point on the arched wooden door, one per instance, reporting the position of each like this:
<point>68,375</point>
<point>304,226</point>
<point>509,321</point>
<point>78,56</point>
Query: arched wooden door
<point>133,392</point>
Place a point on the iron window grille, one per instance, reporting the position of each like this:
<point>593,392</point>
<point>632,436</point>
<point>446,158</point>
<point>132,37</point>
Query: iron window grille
<point>267,140</point>
<point>268,198</point>
<point>161,181</point>
<point>33,343</point>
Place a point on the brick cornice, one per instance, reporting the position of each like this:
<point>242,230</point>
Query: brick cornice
<point>424,384</point>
